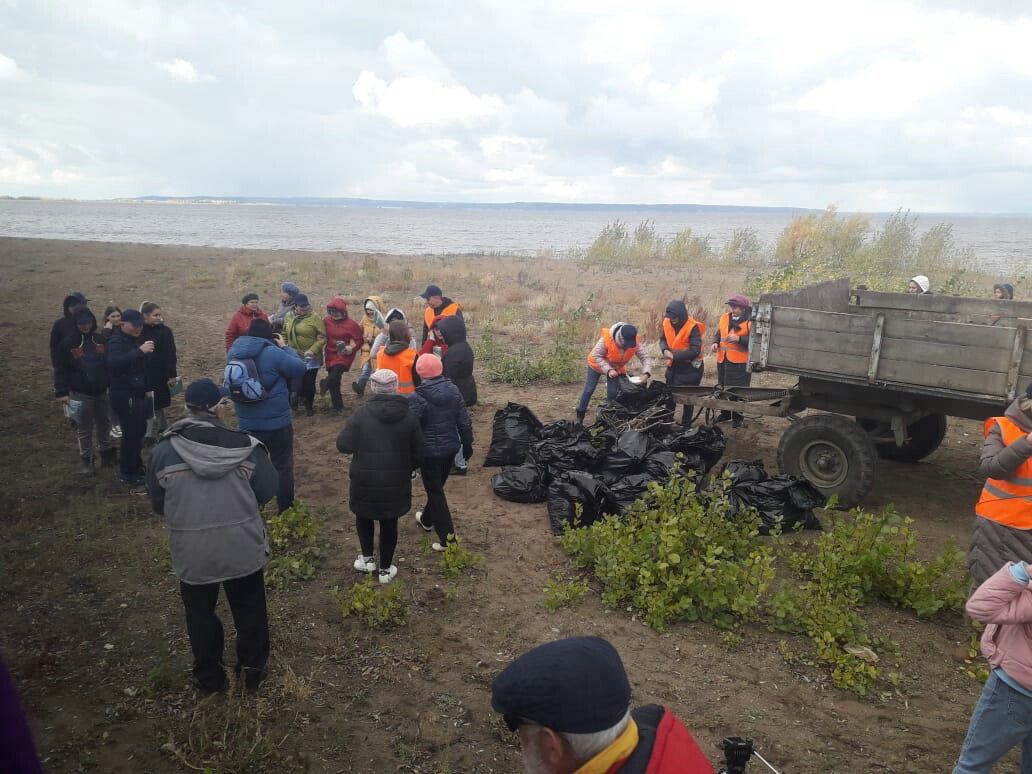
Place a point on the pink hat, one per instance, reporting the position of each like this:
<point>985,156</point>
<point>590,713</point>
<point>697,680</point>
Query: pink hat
<point>428,366</point>
<point>738,300</point>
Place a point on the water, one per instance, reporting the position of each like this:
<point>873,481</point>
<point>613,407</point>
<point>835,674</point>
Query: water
<point>1004,242</point>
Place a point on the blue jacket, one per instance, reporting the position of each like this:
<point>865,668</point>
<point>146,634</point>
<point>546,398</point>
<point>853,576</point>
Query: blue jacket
<point>441,411</point>
<point>276,366</point>
<point>127,366</point>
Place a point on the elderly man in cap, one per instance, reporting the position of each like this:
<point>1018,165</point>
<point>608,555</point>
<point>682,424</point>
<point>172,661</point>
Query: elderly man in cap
<point>570,703</point>
<point>210,482</point>
<point>437,305</point>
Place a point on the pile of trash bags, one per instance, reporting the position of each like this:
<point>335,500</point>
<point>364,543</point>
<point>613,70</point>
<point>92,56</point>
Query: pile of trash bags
<point>785,503</point>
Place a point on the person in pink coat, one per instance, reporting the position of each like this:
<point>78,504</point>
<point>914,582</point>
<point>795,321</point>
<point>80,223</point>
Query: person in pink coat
<point>344,339</point>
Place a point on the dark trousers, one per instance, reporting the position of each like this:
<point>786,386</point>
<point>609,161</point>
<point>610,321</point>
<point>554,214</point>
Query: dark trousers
<point>388,538</point>
<point>684,377</point>
<point>333,377</point>
<point>132,413</point>
<point>591,381</point>
<point>280,444</point>
<point>435,472</point>
<point>246,598</point>
<point>306,392</point>
<point>733,375</point>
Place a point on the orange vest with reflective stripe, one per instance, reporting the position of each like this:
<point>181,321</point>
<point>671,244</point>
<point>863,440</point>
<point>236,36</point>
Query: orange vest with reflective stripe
<point>732,351</point>
<point>1008,501</point>
<point>683,338</point>
<point>430,313</point>
<point>401,364</point>
<point>618,358</point>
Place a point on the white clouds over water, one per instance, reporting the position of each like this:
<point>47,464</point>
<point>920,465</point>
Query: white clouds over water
<point>872,106</point>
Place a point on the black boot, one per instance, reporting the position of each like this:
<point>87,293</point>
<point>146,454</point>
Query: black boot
<point>358,387</point>
<point>580,416</point>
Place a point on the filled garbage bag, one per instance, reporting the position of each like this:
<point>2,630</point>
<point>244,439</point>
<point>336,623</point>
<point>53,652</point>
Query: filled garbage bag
<point>625,491</point>
<point>705,443</point>
<point>637,398</point>
<point>784,502</point>
<point>567,490</point>
<point>629,453</point>
<point>512,432</point>
<point>660,464</point>
<point>522,484</point>
<point>566,446</point>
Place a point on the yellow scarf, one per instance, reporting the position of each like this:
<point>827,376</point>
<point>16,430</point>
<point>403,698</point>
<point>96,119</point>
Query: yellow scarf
<point>619,751</point>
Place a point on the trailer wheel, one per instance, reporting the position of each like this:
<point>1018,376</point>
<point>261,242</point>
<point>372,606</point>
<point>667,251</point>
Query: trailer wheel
<point>833,453</point>
<point>925,436</point>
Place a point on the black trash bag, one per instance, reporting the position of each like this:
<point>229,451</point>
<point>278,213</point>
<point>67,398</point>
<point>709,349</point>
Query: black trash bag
<point>513,430</point>
<point>566,446</point>
<point>705,443</point>
<point>636,398</point>
<point>629,453</point>
<point>625,491</point>
<point>568,489</point>
<point>659,465</point>
<point>523,484</point>
<point>562,428</point>
<point>784,502</point>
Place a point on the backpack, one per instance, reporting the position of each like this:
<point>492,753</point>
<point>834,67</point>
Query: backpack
<point>241,379</point>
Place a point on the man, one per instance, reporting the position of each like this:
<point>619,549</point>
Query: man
<point>162,369</point>
<point>270,420</point>
<point>570,703</point>
<point>732,347</point>
<point>437,305</point>
<point>609,357</point>
<point>210,482</point>
<point>457,362</point>
<point>681,344</point>
<point>127,355</point>
<point>64,326</point>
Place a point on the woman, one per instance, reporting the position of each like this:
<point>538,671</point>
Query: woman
<point>732,347</point>
<point>372,322</point>
<point>919,285</point>
<point>112,322</point>
<point>1003,292</point>
<point>447,429</point>
<point>615,348</point>
<point>161,368</point>
<point>305,332</point>
<point>399,355</point>
<point>681,344</point>
<point>288,294</point>
<point>457,361</point>
<point>343,341</point>
<point>387,446</point>
<point>378,343</point>
<point>241,320</point>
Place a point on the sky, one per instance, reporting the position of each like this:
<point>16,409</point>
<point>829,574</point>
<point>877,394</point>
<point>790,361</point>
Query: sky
<point>868,106</point>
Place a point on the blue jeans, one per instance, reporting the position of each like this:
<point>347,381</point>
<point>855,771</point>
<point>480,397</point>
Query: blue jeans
<point>590,383</point>
<point>1002,720</point>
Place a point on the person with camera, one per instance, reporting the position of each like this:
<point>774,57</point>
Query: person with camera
<point>343,342</point>
<point>162,370</point>
<point>127,353</point>
<point>731,345</point>
<point>615,348</point>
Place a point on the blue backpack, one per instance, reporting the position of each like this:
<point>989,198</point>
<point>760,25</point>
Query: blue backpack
<point>241,379</point>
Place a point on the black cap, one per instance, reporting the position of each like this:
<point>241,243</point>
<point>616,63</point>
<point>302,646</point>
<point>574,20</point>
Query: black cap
<point>204,394</point>
<point>132,316</point>
<point>574,686</point>
<point>431,290</point>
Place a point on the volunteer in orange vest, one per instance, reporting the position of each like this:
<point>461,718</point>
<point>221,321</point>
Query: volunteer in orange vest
<point>681,344</point>
<point>1003,522</point>
<point>398,355</point>
<point>615,348</point>
<point>732,347</point>
<point>437,305</point>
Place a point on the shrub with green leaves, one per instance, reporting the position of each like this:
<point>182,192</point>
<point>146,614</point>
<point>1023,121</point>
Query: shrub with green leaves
<point>561,593</point>
<point>377,606</point>
<point>457,560</point>
<point>292,539</point>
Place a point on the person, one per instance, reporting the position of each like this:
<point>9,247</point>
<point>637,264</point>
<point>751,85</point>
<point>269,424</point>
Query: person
<point>1003,292</point>
<point>210,482</point>
<point>447,429</point>
<point>343,342</point>
<point>372,322</point>
<point>81,375</point>
<point>399,355</point>
<point>112,322</point>
<point>1002,719</point>
<point>162,370</point>
<point>305,332</point>
<point>437,305</point>
<point>386,445</point>
<point>681,344</point>
<point>288,293</point>
<point>378,343</point>
<point>458,367</point>
<point>615,348</point>
<point>1003,514</point>
<point>732,347</point>
<point>919,285</point>
<point>569,701</point>
<point>127,353</point>
<point>64,326</point>
<point>270,419</point>
<point>15,735</point>
<point>241,320</point>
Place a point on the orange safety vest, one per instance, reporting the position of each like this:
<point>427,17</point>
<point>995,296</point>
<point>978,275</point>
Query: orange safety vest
<point>683,337</point>
<point>1008,501</point>
<point>618,358</point>
<point>401,364</point>
<point>429,313</point>
<point>732,350</point>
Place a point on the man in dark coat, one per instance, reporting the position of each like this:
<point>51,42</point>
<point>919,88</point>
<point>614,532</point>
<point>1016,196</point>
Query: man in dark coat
<point>162,369</point>
<point>127,355</point>
<point>457,361</point>
<point>682,349</point>
<point>387,445</point>
<point>64,326</point>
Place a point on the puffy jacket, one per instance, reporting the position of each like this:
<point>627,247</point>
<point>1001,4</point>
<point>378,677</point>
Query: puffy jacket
<point>276,366</point>
<point>665,746</point>
<point>442,414</point>
<point>458,357</point>
<point>1005,605</point>
<point>81,363</point>
<point>210,483</point>
<point>127,365</point>
<point>161,363</point>
<point>683,369</point>
<point>240,322</point>
<point>64,327</point>
<point>387,445</point>
<point>371,327</point>
<point>346,332</point>
<point>305,334</point>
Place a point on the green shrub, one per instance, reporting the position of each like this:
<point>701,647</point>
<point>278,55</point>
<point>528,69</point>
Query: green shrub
<point>379,607</point>
<point>292,538</point>
<point>564,593</point>
<point>456,560</point>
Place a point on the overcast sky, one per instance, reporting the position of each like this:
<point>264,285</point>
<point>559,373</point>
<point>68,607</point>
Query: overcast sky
<point>870,106</point>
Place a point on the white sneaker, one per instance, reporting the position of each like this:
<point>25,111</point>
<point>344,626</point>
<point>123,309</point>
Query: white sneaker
<point>438,547</point>
<point>386,576</point>
<point>365,563</point>
<point>419,521</point>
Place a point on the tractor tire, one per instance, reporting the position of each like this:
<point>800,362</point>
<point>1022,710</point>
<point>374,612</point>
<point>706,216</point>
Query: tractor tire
<point>925,436</point>
<point>833,453</point>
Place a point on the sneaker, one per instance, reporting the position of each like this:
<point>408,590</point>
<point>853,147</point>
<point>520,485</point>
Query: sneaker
<point>438,547</point>
<point>86,466</point>
<point>386,576</point>
<point>413,475</point>
<point>134,482</point>
<point>116,432</point>
<point>419,521</point>
<point>323,387</point>
<point>365,563</point>
<point>457,471</point>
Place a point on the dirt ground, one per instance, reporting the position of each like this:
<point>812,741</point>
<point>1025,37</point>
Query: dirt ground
<point>93,627</point>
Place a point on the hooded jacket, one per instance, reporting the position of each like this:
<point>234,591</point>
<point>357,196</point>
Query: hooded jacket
<point>64,327</point>
<point>1004,604</point>
<point>240,322</point>
<point>127,365</point>
<point>684,369</point>
<point>345,332</point>
<point>305,334</point>
<point>276,366</point>
<point>458,357</point>
<point>81,361</point>
<point>210,482</point>
<point>387,445</point>
<point>443,417</point>
<point>381,338</point>
<point>370,327</point>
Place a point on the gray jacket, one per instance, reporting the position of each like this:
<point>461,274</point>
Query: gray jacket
<point>209,482</point>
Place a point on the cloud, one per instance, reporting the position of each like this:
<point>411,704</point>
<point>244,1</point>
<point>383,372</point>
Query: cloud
<point>414,101</point>
<point>182,70</point>
<point>9,70</point>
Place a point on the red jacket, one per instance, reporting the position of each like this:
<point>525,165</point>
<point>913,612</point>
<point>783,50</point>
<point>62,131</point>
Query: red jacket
<point>665,746</point>
<point>240,322</point>
<point>346,331</point>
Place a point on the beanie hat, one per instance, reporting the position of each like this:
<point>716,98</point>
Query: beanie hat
<point>922,282</point>
<point>628,335</point>
<point>1008,290</point>
<point>383,382</point>
<point>301,300</point>
<point>204,395</point>
<point>132,317</point>
<point>248,297</point>
<point>429,366</point>
<point>260,328</point>
<point>291,288</point>
<point>738,300</point>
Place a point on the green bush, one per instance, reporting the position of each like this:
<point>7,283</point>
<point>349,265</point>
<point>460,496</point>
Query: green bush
<point>560,364</point>
<point>615,245</point>
<point>292,538</point>
<point>564,593</point>
<point>456,560</point>
<point>379,607</point>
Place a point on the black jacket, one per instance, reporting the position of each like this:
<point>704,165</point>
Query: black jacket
<point>442,414</point>
<point>458,360</point>
<point>161,365</point>
<point>683,370</point>
<point>64,327</point>
<point>81,364</point>
<point>127,365</point>
<point>387,445</point>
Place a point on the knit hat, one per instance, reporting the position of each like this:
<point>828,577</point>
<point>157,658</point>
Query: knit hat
<point>922,282</point>
<point>291,288</point>
<point>301,300</point>
<point>132,317</point>
<point>260,328</point>
<point>429,366</point>
<point>738,300</point>
<point>248,297</point>
<point>383,382</point>
<point>204,395</point>
<point>628,334</point>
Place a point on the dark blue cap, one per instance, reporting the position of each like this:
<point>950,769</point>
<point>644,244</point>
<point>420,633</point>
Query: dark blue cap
<point>204,394</point>
<point>132,316</point>
<point>574,686</point>
<point>431,290</point>
<point>628,335</point>
<point>300,300</point>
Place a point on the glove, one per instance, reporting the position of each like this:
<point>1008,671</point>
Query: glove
<point>467,452</point>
